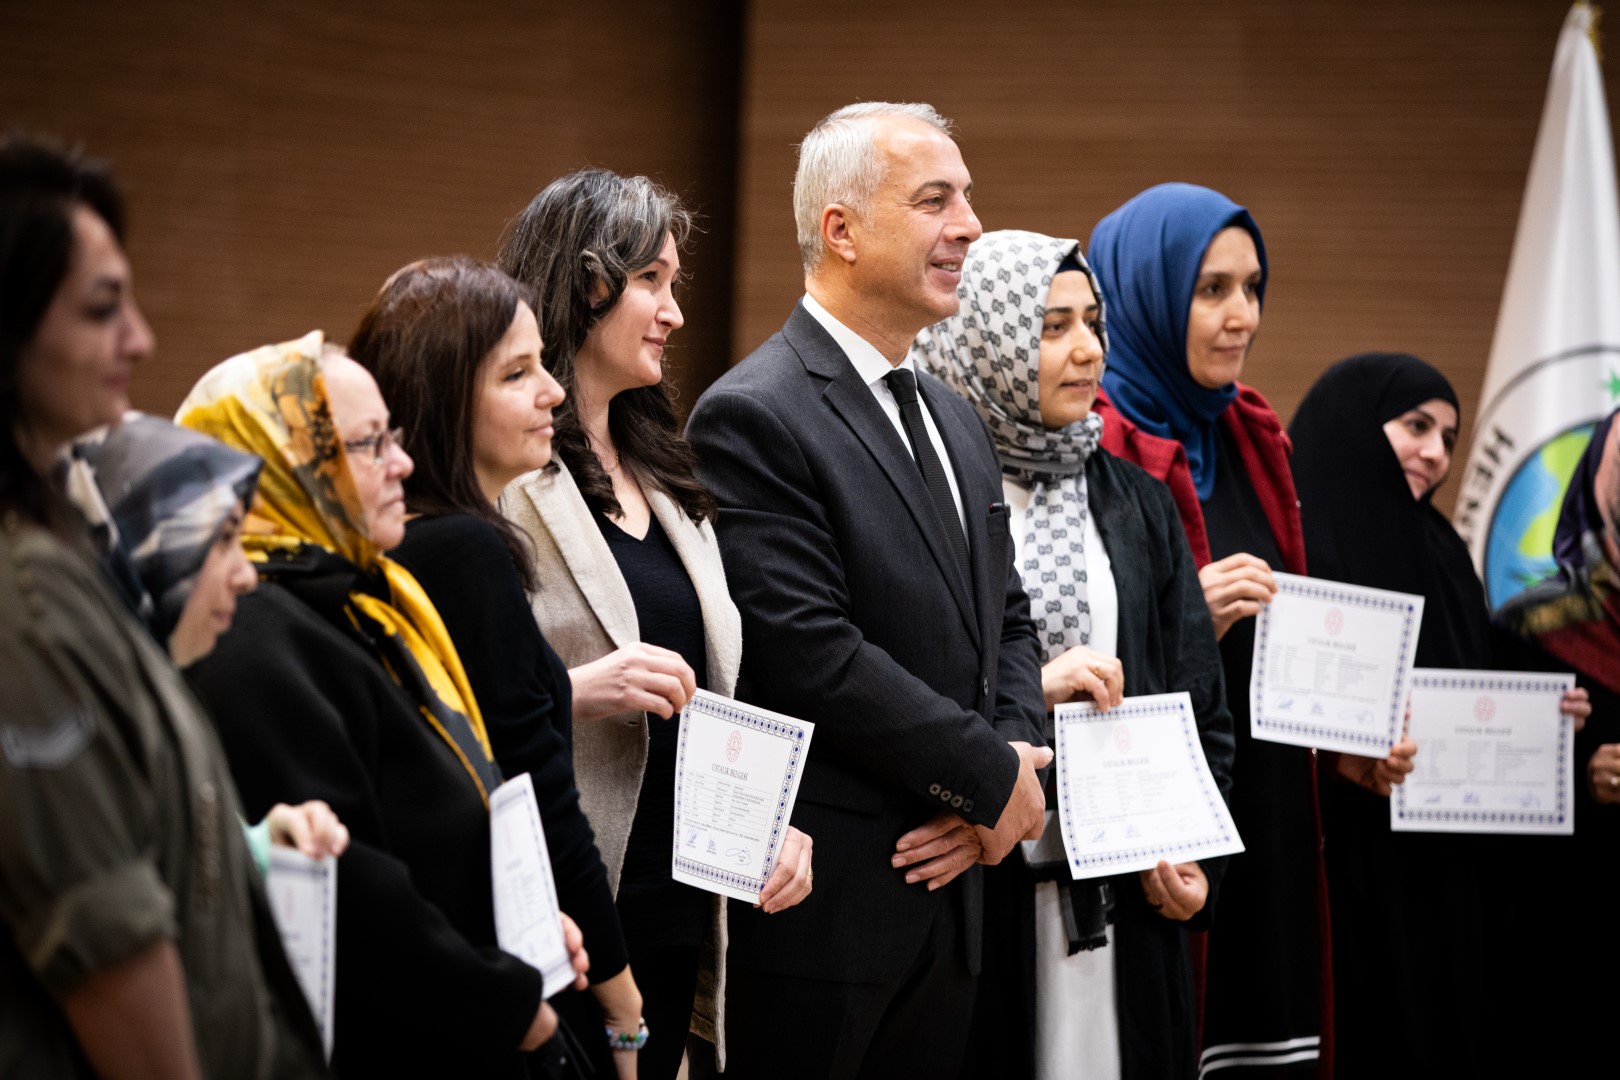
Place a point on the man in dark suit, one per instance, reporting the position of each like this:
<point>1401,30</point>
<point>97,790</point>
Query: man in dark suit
<point>868,550</point>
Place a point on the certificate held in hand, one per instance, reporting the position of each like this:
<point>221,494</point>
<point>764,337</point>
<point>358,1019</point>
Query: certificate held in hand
<point>737,773</point>
<point>1134,788</point>
<point>1332,665</point>
<point>1495,755</point>
<point>528,920</point>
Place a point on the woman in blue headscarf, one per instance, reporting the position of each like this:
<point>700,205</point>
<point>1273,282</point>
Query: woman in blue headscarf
<point>1185,272</point>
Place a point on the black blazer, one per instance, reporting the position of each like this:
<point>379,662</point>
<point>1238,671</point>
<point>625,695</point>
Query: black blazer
<point>1165,643</point>
<point>855,617</point>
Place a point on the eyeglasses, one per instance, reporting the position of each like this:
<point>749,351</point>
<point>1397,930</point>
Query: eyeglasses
<point>378,445</point>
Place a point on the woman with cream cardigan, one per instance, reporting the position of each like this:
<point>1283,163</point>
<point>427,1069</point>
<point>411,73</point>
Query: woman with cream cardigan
<point>630,589</point>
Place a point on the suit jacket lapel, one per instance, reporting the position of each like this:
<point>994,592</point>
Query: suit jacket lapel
<point>853,401</point>
<point>556,499</point>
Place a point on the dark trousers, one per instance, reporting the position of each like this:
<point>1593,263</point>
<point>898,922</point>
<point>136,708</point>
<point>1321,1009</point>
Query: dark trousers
<point>783,1027</point>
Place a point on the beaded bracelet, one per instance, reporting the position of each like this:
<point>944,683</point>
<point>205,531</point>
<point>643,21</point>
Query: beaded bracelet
<point>620,1040</point>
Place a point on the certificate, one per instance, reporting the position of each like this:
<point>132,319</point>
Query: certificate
<point>1133,787</point>
<point>1332,665</point>
<point>1494,755</point>
<point>303,899</point>
<point>528,921</point>
<point>737,773</point>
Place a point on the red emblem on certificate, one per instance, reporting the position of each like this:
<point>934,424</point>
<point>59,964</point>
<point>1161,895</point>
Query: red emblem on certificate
<point>1484,709</point>
<point>1333,622</point>
<point>734,747</point>
<point>1122,738</point>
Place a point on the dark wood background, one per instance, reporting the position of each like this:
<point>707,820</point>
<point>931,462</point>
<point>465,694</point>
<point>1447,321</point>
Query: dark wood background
<point>283,158</point>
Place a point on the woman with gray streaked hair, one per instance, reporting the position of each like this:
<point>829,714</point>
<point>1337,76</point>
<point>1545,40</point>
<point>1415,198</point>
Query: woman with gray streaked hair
<point>630,590</point>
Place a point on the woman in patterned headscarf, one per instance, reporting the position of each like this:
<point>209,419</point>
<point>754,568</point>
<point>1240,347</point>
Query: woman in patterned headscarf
<point>1118,607</point>
<point>340,683</point>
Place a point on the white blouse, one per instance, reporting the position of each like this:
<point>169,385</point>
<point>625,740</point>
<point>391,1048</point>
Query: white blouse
<point>1076,1007</point>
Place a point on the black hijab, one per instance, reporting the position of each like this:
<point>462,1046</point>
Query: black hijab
<point>1362,525</point>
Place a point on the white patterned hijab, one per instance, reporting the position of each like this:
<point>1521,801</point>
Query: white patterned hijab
<point>989,353</point>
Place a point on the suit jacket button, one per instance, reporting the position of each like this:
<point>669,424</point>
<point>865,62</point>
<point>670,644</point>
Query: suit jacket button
<point>933,789</point>
<point>967,806</point>
<point>956,803</point>
<point>945,796</point>
<point>984,687</point>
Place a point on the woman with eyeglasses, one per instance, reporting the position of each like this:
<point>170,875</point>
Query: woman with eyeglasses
<point>340,683</point>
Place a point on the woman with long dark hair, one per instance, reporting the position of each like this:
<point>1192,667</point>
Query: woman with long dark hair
<point>630,587</point>
<point>455,348</point>
<point>138,939</point>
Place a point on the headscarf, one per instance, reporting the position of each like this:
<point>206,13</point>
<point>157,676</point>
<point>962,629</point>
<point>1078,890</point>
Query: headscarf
<point>989,352</point>
<point>1575,614</point>
<point>273,402</point>
<point>1148,253</point>
<point>1362,525</point>
<point>157,497</point>
<point>1579,514</point>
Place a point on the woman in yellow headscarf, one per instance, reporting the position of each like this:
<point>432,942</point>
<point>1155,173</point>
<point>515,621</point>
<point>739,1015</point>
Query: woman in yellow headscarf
<point>340,683</point>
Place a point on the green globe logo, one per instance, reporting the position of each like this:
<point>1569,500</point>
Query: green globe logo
<point>1518,549</point>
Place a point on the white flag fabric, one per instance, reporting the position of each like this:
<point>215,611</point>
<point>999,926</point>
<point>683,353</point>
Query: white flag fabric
<point>1555,359</point>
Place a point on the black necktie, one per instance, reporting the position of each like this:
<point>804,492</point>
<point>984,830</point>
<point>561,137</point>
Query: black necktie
<point>903,385</point>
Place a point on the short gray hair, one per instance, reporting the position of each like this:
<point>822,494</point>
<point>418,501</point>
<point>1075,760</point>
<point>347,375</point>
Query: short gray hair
<point>837,164</point>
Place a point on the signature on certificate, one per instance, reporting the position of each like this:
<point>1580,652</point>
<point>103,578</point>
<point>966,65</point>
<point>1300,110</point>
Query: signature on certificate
<point>741,854</point>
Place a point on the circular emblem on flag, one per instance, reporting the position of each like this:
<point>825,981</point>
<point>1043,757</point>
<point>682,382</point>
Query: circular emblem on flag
<point>1333,621</point>
<point>1518,545</point>
<point>1122,738</point>
<point>734,747</point>
<point>1484,709</point>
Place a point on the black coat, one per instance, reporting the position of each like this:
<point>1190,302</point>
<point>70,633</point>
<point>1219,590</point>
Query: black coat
<point>855,618</point>
<point>306,711</point>
<point>1166,643</point>
<point>524,693</point>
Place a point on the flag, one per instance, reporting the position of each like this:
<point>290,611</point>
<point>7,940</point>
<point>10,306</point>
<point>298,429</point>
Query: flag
<point>1554,367</point>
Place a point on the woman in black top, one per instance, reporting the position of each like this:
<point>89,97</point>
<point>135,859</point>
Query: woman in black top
<point>631,589</point>
<point>1372,443</point>
<point>455,348</point>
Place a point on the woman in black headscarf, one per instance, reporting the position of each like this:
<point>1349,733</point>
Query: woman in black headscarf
<point>1372,442</point>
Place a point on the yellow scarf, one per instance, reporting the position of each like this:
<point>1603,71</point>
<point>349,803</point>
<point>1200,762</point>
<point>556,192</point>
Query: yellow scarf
<point>272,402</point>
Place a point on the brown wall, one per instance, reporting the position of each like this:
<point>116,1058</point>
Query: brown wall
<point>283,158</point>
<point>1382,146</point>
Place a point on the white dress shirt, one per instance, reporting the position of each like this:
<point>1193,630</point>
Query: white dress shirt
<point>871,366</point>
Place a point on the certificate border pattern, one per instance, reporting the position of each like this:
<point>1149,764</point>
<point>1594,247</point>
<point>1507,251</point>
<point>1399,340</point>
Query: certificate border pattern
<point>768,726</point>
<point>1319,731</point>
<point>1558,815</point>
<point>1211,795</point>
<point>319,870</point>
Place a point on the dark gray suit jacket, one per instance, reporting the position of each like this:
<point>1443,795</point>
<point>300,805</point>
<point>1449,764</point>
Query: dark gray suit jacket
<point>855,617</point>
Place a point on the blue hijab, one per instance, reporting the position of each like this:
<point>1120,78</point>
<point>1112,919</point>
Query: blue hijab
<point>1147,254</point>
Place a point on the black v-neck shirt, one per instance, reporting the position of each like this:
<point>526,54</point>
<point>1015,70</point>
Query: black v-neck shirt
<point>669,615</point>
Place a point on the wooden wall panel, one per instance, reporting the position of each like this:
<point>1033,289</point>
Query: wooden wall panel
<point>283,158</point>
<point>1382,145</point>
